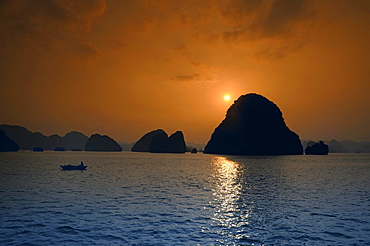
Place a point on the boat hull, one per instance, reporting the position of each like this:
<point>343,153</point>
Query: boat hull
<point>73,167</point>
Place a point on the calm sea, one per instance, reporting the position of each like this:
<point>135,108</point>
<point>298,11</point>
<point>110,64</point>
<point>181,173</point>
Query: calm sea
<point>184,199</point>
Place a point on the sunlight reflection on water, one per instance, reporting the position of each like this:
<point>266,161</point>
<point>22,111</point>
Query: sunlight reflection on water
<point>229,210</point>
<point>166,199</point>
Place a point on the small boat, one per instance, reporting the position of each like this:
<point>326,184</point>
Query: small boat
<point>74,167</point>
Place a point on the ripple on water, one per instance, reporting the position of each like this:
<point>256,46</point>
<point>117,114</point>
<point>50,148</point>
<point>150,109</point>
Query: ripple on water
<point>337,234</point>
<point>66,230</point>
<point>148,199</point>
<point>325,215</point>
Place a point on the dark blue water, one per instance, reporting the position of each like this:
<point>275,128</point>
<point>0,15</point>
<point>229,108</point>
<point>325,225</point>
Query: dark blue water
<point>184,199</point>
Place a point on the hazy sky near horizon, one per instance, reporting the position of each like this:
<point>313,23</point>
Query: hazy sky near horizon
<point>124,68</point>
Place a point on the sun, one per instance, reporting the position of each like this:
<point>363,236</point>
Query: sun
<point>226,97</point>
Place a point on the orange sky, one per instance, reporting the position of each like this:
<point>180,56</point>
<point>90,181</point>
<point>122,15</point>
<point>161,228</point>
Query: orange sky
<point>124,68</point>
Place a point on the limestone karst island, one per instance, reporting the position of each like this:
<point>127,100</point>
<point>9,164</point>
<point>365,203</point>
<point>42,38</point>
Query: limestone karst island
<point>254,125</point>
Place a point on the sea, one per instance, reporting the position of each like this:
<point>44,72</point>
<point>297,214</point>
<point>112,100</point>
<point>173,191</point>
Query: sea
<point>127,198</point>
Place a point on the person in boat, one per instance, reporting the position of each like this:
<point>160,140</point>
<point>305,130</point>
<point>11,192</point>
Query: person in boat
<point>82,164</point>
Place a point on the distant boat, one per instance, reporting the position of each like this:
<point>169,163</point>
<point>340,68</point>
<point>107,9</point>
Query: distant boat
<point>74,167</point>
<point>38,149</point>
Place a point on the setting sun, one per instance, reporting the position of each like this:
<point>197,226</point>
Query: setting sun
<point>226,97</point>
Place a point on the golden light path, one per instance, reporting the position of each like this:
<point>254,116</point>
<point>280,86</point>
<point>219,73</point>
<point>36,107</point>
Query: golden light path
<point>227,198</point>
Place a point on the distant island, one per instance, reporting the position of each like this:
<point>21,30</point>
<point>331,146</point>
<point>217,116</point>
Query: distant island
<point>254,126</point>
<point>76,141</point>
<point>98,142</point>
<point>157,141</point>
<point>319,148</point>
<point>28,140</point>
<point>343,146</point>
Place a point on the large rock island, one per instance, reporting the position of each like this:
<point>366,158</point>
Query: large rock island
<point>254,125</point>
<point>98,142</point>
<point>157,141</point>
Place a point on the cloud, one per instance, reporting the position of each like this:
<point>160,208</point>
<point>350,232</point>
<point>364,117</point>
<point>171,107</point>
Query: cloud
<point>87,50</point>
<point>188,77</point>
<point>237,9</point>
<point>46,26</point>
<point>181,47</point>
<point>278,52</point>
<point>277,27</point>
<point>283,16</point>
<point>85,9</point>
<point>266,19</point>
<point>46,14</point>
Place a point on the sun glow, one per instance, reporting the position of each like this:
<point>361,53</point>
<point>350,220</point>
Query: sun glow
<point>226,97</point>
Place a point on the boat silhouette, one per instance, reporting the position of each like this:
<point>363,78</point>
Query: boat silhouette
<point>74,167</point>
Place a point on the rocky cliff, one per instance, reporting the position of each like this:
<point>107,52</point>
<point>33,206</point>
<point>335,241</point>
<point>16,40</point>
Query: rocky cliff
<point>176,143</point>
<point>98,142</point>
<point>158,142</point>
<point>254,126</point>
<point>143,144</point>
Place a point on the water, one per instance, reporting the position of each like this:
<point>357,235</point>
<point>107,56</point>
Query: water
<point>184,199</point>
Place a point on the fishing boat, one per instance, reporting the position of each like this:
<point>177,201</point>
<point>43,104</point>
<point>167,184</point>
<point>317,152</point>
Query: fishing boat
<point>74,167</point>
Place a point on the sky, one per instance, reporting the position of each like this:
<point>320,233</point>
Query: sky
<point>124,68</point>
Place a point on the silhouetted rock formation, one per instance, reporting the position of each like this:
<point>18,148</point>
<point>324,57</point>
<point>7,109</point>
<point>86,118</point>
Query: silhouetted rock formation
<point>349,146</point>
<point>158,142</point>
<point>310,144</point>
<point>74,140</point>
<point>53,141</point>
<point>28,140</point>
<point>319,148</point>
<point>23,137</point>
<point>336,147</point>
<point>6,143</point>
<point>254,126</point>
<point>356,147</point>
<point>176,143</point>
<point>194,151</point>
<point>143,145</point>
<point>102,143</point>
